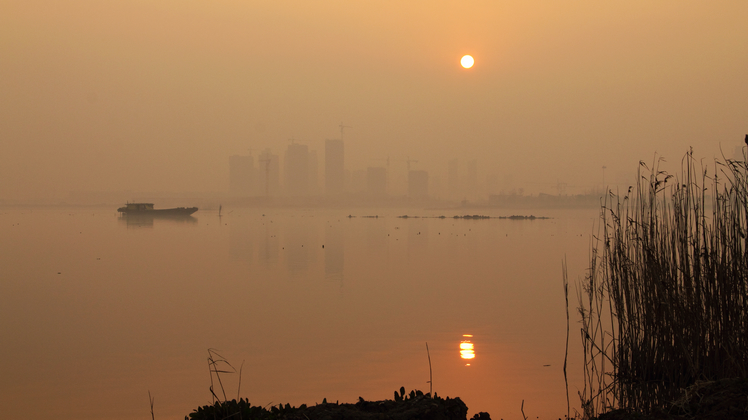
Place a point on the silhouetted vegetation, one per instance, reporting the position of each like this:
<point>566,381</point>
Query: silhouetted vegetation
<point>415,405</point>
<point>665,303</point>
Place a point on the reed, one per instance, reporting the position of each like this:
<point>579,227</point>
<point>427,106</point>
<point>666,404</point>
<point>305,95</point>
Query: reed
<point>217,365</point>
<point>665,301</point>
<point>152,400</point>
<point>565,275</point>
<point>431,377</point>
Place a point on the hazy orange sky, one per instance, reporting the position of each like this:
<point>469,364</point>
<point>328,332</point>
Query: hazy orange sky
<point>151,95</point>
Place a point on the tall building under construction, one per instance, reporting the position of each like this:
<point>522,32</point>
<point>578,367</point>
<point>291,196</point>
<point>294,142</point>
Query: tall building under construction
<point>334,166</point>
<point>268,173</point>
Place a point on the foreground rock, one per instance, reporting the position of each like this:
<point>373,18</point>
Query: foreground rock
<point>415,405</point>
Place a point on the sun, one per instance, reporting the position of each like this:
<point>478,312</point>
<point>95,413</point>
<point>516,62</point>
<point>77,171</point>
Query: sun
<point>467,61</point>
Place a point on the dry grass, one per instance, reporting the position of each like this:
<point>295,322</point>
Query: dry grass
<point>665,301</point>
<point>217,365</point>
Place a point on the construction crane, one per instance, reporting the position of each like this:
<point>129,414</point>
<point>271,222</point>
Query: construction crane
<point>341,129</point>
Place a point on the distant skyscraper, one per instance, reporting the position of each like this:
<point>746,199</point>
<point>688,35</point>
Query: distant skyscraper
<point>334,166</point>
<point>471,182</point>
<point>296,169</point>
<point>453,178</point>
<point>418,184</point>
<point>472,172</point>
<point>241,175</point>
<point>376,181</point>
<point>269,173</point>
<point>313,172</point>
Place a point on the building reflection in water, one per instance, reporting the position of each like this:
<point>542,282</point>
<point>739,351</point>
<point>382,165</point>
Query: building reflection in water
<point>297,243</point>
<point>467,349</point>
<point>268,247</point>
<point>334,256</point>
<point>418,233</point>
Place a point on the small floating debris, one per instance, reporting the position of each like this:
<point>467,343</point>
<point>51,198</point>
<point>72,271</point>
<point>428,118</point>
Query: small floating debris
<point>530,217</point>
<point>464,216</point>
<point>473,216</point>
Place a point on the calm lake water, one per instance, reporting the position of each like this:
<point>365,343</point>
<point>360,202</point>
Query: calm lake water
<point>96,311</point>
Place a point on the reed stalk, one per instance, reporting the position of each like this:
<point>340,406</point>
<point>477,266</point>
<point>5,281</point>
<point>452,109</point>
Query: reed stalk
<point>566,352</point>
<point>152,400</point>
<point>431,377</point>
<point>665,300</point>
<point>217,365</point>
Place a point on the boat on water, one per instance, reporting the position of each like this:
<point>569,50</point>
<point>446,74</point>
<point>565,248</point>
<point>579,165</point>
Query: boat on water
<point>147,209</point>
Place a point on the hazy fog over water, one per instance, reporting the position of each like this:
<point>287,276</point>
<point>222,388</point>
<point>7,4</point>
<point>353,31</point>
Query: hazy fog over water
<point>97,311</point>
<point>104,102</point>
<point>155,95</point>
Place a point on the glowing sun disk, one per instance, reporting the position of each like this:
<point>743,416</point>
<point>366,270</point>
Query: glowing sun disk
<point>467,61</point>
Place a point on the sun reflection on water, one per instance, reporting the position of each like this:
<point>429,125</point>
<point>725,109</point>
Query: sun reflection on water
<point>467,349</point>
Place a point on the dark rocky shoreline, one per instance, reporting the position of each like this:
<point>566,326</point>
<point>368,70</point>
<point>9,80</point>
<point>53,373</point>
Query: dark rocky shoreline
<point>415,405</point>
<point>725,399</point>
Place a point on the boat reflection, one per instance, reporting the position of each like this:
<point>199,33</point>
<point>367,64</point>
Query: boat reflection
<point>467,349</point>
<point>146,220</point>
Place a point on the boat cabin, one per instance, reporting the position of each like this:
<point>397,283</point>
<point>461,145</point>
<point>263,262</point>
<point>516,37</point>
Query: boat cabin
<point>139,206</point>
